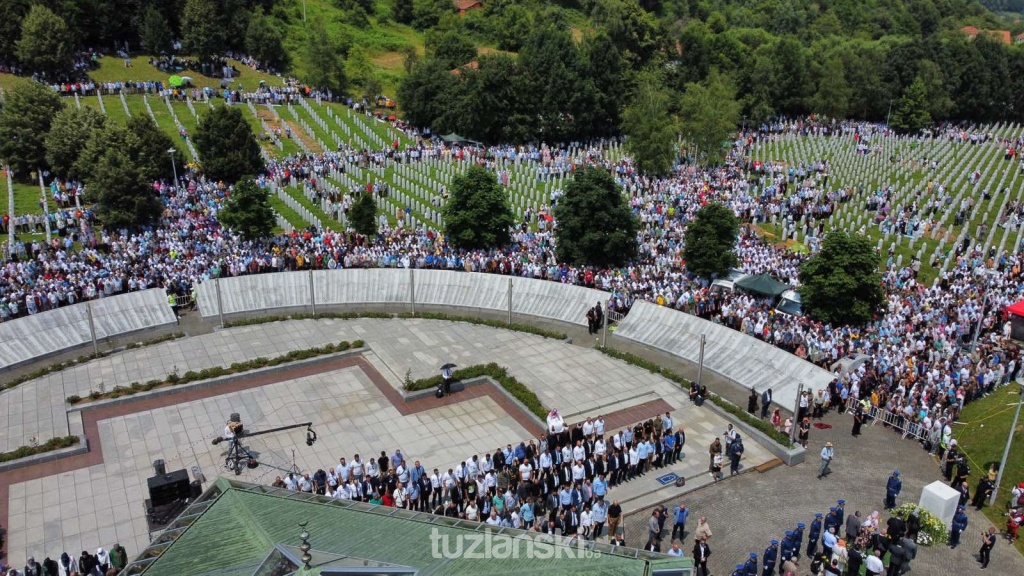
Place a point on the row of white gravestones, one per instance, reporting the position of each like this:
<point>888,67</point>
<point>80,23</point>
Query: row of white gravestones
<point>192,109</point>
<point>181,127</point>
<point>78,101</point>
<point>297,206</point>
<point>124,103</point>
<point>282,223</point>
<point>99,98</point>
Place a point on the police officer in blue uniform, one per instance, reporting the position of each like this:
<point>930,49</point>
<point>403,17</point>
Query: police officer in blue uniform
<point>787,549</point>
<point>750,567</point>
<point>892,489</point>
<point>771,553</point>
<point>798,538</point>
<point>739,571</point>
<point>841,510</point>
<point>958,526</point>
<point>832,520</point>
<point>814,535</point>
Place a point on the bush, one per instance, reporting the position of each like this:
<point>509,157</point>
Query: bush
<point>74,399</point>
<point>95,394</point>
<point>49,446</point>
<point>762,426</point>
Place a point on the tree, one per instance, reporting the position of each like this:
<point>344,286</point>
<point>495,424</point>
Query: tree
<point>247,210</point>
<point>833,96</point>
<point>910,113</point>
<point>595,224</point>
<point>264,43</point>
<point>156,34</point>
<point>150,148</point>
<point>453,49</point>
<point>710,240</point>
<point>363,215</point>
<point>25,119</point>
<point>325,67</point>
<point>477,214</point>
<point>203,29</point>
<point>227,148</point>
<point>841,283</point>
<point>44,45</point>
<point>710,114</point>
<point>650,128</point>
<point>71,130</point>
<point>125,198</point>
<point>402,11</point>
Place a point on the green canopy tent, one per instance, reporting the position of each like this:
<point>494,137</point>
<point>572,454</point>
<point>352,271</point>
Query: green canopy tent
<point>175,81</point>
<point>454,138</point>
<point>762,284</point>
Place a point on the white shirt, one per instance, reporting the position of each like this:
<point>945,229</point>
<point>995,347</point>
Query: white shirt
<point>874,564</point>
<point>399,496</point>
<point>599,447</point>
<point>525,471</point>
<point>493,520</point>
<point>599,427</point>
<point>588,428</point>
<point>634,456</point>
<point>578,453</point>
<point>578,472</point>
<point>435,482</point>
<point>566,454</point>
<point>545,460</point>
<point>403,474</point>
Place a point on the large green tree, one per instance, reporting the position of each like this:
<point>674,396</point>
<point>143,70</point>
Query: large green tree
<point>203,29</point>
<point>841,283</point>
<point>227,148</point>
<point>710,240</point>
<point>71,130</point>
<point>25,118</point>
<point>910,112</point>
<point>325,64</point>
<point>156,35</point>
<point>650,128</point>
<point>477,214</point>
<point>452,49</point>
<point>247,210</point>
<point>114,175</point>
<point>363,215</point>
<point>45,43</point>
<point>595,225</point>
<point>263,41</point>
<point>151,148</point>
<point>710,114</point>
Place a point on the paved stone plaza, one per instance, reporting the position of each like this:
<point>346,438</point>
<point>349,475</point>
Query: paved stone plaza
<point>97,499</point>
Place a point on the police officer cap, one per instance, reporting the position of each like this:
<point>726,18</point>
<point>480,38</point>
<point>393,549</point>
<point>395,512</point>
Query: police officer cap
<point>753,556</point>
<point>895,472</point>
<point>789,533</point>
<point>739,566</point>
<point>841,502</point>
<point>800,525</point>
<point>833,509</point>
<point>775,542</point>
<point>817,514</point>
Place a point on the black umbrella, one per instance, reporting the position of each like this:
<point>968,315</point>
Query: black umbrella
<point>448,366</point>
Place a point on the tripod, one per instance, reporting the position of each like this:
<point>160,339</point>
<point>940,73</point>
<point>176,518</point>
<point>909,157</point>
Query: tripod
<point>236,455</point>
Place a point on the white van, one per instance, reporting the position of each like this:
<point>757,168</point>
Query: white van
<point>789,303</point>
<point>728,284</point>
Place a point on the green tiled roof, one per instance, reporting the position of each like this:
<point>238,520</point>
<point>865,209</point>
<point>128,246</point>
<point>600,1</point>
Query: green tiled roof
<point>237,532</point>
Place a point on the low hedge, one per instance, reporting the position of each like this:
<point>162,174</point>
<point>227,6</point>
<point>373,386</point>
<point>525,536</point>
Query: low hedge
<point>422,315</point>
<point>762,426</point>
<point>499,374</point>
<point>47,370</point>
<point>174,379</point>
<point>49,446</point>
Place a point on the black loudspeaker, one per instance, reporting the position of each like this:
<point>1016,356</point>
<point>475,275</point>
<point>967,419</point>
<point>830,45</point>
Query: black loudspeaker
<point>195,489</point>
<point>159,468</point>
<point>168,488</point>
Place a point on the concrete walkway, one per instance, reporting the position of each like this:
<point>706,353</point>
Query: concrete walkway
<point>99,501</point>
<point>747,512</point>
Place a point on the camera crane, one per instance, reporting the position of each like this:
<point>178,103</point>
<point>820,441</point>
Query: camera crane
<point>237,454</point>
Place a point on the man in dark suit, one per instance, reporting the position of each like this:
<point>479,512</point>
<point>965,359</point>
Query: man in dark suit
<point>701,552</point>
<point>766,401</point>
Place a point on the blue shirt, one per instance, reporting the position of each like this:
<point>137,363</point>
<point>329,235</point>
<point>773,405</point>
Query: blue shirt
<point>600,487</point>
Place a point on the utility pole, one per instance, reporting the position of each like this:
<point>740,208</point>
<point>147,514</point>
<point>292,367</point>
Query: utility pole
<point>172,152</point>
<point>1009,440</point>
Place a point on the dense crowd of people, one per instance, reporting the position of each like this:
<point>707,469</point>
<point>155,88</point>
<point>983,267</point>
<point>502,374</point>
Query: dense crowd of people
<point>557,485</point>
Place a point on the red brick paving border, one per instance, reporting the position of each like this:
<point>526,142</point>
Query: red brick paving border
<point>92,415</point>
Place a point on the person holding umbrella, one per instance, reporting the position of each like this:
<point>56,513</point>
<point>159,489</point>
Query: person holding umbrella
<point>447,377</point>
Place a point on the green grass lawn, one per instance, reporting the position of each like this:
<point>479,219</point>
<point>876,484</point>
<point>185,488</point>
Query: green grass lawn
<point>111,69</point>
<point>982,436</point>
<point>26,198</point>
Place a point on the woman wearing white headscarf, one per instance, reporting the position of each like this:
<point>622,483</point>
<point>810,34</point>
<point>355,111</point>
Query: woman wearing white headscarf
<point>67,566</point>
<point>102,560</point>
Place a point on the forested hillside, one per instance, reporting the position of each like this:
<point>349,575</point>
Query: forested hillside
<point>525,70</point>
